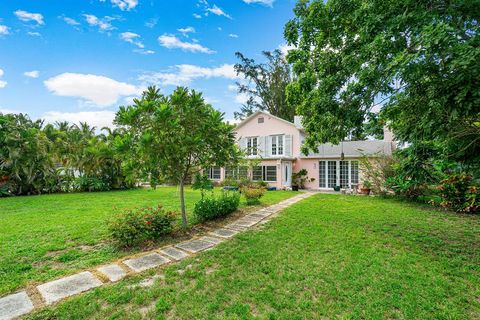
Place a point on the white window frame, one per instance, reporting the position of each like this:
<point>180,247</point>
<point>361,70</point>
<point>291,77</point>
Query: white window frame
<point>264,174</point>
<point>351,170</point>
<point>278,145</point>
<point>252,148</point>
<point>211,173</point>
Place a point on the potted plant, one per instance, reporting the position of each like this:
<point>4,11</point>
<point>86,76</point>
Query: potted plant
<point>337,188</point>
<point>299,178</point>
<point>366,187</point>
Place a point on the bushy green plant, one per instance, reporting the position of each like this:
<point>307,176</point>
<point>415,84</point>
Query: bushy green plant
<point>209,208</point>
<point>253,194</point>
<point>230,182</point>
<point>459,193</point>
<point>299,178</point>
<point>90,184</point>
<point>135,226</point>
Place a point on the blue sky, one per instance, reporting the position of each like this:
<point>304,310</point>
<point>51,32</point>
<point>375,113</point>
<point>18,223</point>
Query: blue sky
<point>79,60</point>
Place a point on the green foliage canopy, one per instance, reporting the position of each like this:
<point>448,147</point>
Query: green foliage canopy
<point>417,61</point>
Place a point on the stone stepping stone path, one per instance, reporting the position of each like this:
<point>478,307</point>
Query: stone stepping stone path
<point>113,272</point>
<point>194,246</point>
<point>20,303</point>
<point>174,253</point>
<point>146,262</point>
<point>15,305</point>
<point>59,289</point>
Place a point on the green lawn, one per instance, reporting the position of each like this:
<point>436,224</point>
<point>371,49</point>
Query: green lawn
<point>329,256</point>
<point>43,237</point>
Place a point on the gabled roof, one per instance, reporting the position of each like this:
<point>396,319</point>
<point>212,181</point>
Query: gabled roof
<point>253,115</point>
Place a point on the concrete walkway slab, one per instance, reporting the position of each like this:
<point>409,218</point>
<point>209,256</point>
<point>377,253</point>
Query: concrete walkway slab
<point>211,239</point>
<point>145,262</point>
<point>195,246</point>
<point>65,287</point>
<point>15,305</point>
<point>223,233</point>
<point>174,253</point>
<point>113,272</point>
<point>235,226</point>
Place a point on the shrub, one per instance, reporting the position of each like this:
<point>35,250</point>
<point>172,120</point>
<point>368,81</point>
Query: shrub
<point>459,193</point>
<point>202,183</point>
<point>135,226</point>
<point>300,178</point>
<point>85,183</point>
<point>253,194</point>
<point>209,208</point>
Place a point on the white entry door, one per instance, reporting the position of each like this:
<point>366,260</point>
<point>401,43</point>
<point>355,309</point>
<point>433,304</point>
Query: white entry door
<point>287,174</point>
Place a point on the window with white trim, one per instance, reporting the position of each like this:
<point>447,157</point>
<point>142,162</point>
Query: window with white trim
<point>264,173</point>
<point>334,172</point>
<point>277,145</point>
<point>252,146</point>
<point>236,172</point>
<point>214,173</point>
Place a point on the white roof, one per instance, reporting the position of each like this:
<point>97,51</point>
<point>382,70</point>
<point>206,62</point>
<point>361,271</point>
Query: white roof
<point>353,149</point>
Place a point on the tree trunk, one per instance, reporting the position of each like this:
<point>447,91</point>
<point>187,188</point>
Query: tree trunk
<point>182,203</point>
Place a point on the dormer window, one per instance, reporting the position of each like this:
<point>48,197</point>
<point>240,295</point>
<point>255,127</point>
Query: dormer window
<point>261,120</point>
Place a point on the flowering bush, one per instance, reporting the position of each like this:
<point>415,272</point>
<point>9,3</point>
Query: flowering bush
<point>252,194</point>
<point>135,226</point>
<point>209,208</point>
<point>459,193</point>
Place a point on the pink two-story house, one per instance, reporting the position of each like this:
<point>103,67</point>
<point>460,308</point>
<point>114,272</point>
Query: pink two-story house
<point>275,146</point>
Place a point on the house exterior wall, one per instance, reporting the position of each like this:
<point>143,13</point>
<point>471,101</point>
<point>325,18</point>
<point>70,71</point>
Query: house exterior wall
<point>271,125</point>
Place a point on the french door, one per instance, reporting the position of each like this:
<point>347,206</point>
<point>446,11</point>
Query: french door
<point>343,173</point>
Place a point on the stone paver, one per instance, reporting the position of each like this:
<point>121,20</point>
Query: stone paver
<point>146,262</point>
<point>245,223</point>
<point>15,305</point>
<point>256,215</point>
<point>195,246</point>
<point>235,226</point>
<point>211,239</point>
<point>224,233</point>
<point>65,287</point>
<point>174,253</point>
<point>113,272</point>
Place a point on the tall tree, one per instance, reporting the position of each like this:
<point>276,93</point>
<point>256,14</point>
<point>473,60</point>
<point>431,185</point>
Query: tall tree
<point>416,60</point>
<point>265,85</point>
<point>178,135</point>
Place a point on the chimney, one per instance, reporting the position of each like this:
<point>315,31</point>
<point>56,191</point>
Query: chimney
<point>297,121</point>
<point>387,134</point>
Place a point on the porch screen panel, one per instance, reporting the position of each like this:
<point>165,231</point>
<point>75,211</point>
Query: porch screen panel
<point>344,174</point>
<point>354,172</point>
<point>332,174</point>
<point>322,179</point>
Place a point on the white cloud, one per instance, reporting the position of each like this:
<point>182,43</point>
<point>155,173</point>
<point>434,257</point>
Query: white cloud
<point>151,22</point>
<point>132,38</point>
<point>186,30</point>
<point>98,119</point>
<point>125,5</point>
<point>183,74</point>
<point>28,16</point>
<point>172,42</point>
<point>6,111</point>
<point>197,16</point>
<point>241,98</point>
<point>3,84</point>
<point>218,11</point>
<point>34,34</point>
<point>98,90</point>
<point>233,35</point>
<point>70,21</point>
<point>32,74</point>
<point>232,87</point>
<point>284,48</point>
<point>4,30</point>
<point>144,52</point>
<point>103,24</point>
<point>268,3</point>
